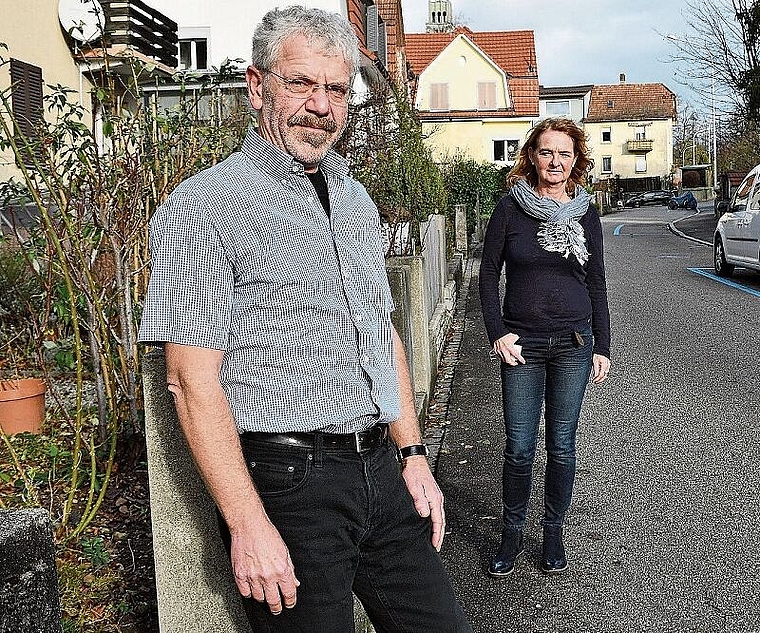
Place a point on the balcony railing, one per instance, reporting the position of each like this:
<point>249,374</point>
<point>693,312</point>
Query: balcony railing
<point>138,26</point>
<point>641,145</point>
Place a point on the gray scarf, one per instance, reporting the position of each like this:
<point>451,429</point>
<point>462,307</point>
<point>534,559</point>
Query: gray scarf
<point>560,231</point>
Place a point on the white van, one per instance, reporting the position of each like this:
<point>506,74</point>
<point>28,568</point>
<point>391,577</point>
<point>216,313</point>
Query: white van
<point>737,236</point>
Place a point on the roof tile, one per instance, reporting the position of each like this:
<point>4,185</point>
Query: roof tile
<point>631,102</point>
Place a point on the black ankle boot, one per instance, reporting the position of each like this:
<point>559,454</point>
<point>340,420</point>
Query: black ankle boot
<point>553,560</point>
<point>503,563</point>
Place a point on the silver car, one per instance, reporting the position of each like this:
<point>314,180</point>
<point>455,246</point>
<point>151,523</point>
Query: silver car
<point>737,236</point>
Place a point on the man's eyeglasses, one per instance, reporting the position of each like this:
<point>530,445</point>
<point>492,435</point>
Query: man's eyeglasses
<point>336,93</point>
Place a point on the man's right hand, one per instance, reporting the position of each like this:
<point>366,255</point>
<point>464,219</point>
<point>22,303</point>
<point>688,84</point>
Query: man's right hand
<point>262,566</point>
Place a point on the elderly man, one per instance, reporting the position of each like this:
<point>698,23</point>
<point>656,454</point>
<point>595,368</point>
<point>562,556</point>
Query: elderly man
<point>269,293</point>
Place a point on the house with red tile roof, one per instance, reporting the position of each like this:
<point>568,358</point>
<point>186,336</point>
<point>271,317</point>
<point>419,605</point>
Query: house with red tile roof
<point>476,93</point>
<point>630,130</point>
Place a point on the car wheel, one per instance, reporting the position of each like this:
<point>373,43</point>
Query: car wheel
<point>637,204</point>
<point>672,205</point>
<point>722,267</point>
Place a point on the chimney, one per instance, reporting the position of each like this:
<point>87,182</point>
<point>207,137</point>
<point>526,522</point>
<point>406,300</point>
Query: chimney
<point>622,78</point>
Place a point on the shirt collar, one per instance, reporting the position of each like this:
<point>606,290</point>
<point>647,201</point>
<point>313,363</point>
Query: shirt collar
<point>282,164</point>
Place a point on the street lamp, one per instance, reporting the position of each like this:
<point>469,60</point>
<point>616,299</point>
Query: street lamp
<point>714,136</point>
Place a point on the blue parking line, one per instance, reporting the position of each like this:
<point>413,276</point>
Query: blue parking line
<point>704,272</point>
<point>617,229</point>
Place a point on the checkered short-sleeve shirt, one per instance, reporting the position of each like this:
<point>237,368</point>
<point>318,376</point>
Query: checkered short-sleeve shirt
<point>245,260</point>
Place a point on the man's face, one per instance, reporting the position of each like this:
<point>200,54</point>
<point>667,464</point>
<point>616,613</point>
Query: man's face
<point>306,125</point>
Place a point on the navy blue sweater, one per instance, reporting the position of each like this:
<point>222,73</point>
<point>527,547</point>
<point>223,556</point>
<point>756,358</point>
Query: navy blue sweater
<point>546,293</point>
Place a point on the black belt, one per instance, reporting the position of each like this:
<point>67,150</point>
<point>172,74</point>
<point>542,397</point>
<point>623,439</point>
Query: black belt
<point>355,442</point>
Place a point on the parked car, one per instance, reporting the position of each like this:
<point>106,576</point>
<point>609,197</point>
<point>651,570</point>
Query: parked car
<point>685,201</point>
<point>659,196</point>
<point>737,235</point>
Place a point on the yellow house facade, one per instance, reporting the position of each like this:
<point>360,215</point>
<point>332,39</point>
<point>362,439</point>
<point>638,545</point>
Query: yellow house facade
<point>630,130</point>
<point>37,55</point>
<point>631,148</point>
<point>468,93</point>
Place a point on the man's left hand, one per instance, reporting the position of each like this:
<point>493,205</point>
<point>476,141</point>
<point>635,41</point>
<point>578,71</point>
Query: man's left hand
<point>427,496</point>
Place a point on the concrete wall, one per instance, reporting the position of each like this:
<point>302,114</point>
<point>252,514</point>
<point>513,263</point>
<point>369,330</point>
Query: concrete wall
<point>196,592</point>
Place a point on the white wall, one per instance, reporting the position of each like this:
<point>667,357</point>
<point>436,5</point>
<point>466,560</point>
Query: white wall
<point>231,22</point>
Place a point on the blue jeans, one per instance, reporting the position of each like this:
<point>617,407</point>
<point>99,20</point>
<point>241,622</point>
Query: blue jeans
<point>555,373</point>
<point>350,526</point>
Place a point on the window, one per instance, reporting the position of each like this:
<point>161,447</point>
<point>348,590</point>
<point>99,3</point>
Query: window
<point>641,133</point>
<point>606,135</point>
<point>558,108</point>
<point>486,95</point>
<point>193,54</point>
<point>505,150</point>
<point>439,96</point>
<point>26,101</point>
<point>641,164</point>
<point>741,197</point>
<point>606,164</point>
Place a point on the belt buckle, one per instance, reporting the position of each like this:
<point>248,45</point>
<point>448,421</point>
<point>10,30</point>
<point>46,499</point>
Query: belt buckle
<point>357,442</point>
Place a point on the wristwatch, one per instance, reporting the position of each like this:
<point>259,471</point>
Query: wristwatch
<point>412,450</point>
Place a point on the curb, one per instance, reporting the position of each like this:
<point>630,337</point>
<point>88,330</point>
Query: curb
<point>436,420</point>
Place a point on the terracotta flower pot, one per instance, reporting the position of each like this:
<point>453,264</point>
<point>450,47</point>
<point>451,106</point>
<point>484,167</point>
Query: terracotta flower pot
<point>22,405</point>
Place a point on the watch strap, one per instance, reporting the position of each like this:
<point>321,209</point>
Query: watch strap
<point>412,450</point>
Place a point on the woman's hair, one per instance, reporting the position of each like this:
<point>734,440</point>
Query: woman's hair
<point>523,168</point>
<point>330,29</point>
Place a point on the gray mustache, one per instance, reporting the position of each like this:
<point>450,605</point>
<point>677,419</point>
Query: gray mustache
<point>311,121</point>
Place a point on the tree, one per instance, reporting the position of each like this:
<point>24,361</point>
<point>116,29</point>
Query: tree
<point>720,51</point>
<point>386,150</point>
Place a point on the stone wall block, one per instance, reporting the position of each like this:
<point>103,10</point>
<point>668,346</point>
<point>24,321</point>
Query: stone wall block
<point>29,601</point>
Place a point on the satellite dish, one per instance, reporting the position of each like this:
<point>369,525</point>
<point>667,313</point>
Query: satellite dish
<point>82,19</point>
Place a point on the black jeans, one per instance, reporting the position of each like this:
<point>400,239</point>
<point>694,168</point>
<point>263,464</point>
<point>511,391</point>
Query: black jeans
<point>350,526</point>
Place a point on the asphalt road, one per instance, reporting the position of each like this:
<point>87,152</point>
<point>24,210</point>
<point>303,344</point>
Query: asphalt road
<point>663,534</point>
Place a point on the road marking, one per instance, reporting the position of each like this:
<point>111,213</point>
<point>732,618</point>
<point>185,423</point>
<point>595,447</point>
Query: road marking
<point>676,231</point>
<point>617,229</point>
<point>733,284</point>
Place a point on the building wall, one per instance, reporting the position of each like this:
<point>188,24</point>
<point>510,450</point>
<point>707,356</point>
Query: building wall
<point>461,65</point>
<point>473,138</point>
<point>230,22</point>
<point>659,161</point>
<point>578,107</point>
<point>33,34</point>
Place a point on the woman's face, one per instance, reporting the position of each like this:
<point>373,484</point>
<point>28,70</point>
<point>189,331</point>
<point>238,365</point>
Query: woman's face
<point>553,157</point>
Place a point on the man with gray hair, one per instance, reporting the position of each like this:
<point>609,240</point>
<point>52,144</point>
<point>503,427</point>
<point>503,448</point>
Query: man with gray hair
<point>269,294</point>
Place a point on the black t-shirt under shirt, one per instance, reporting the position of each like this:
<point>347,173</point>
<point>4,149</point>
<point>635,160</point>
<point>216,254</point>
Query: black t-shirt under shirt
<point>320,186</point>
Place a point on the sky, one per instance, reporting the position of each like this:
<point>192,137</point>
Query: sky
<point>583,41</point>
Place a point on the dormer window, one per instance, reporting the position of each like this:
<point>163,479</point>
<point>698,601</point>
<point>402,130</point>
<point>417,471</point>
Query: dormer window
<point>610,104</point>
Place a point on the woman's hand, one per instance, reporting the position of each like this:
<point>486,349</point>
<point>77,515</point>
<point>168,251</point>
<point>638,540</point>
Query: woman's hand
<point>601,369</point>
<point>507,349</point>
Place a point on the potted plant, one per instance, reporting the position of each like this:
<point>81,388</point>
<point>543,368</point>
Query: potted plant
<point>22,405</point>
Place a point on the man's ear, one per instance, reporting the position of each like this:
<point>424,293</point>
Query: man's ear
<point>254,78</point>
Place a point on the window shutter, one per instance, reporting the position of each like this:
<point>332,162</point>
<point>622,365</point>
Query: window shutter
<point>382,43</point>
<point>439,96</point>
<point>26,100</point>
<point>372,31</point>
<point>486,95</point>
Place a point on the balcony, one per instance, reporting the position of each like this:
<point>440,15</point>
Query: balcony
<point>138,27</point>
<point>640,145</point>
